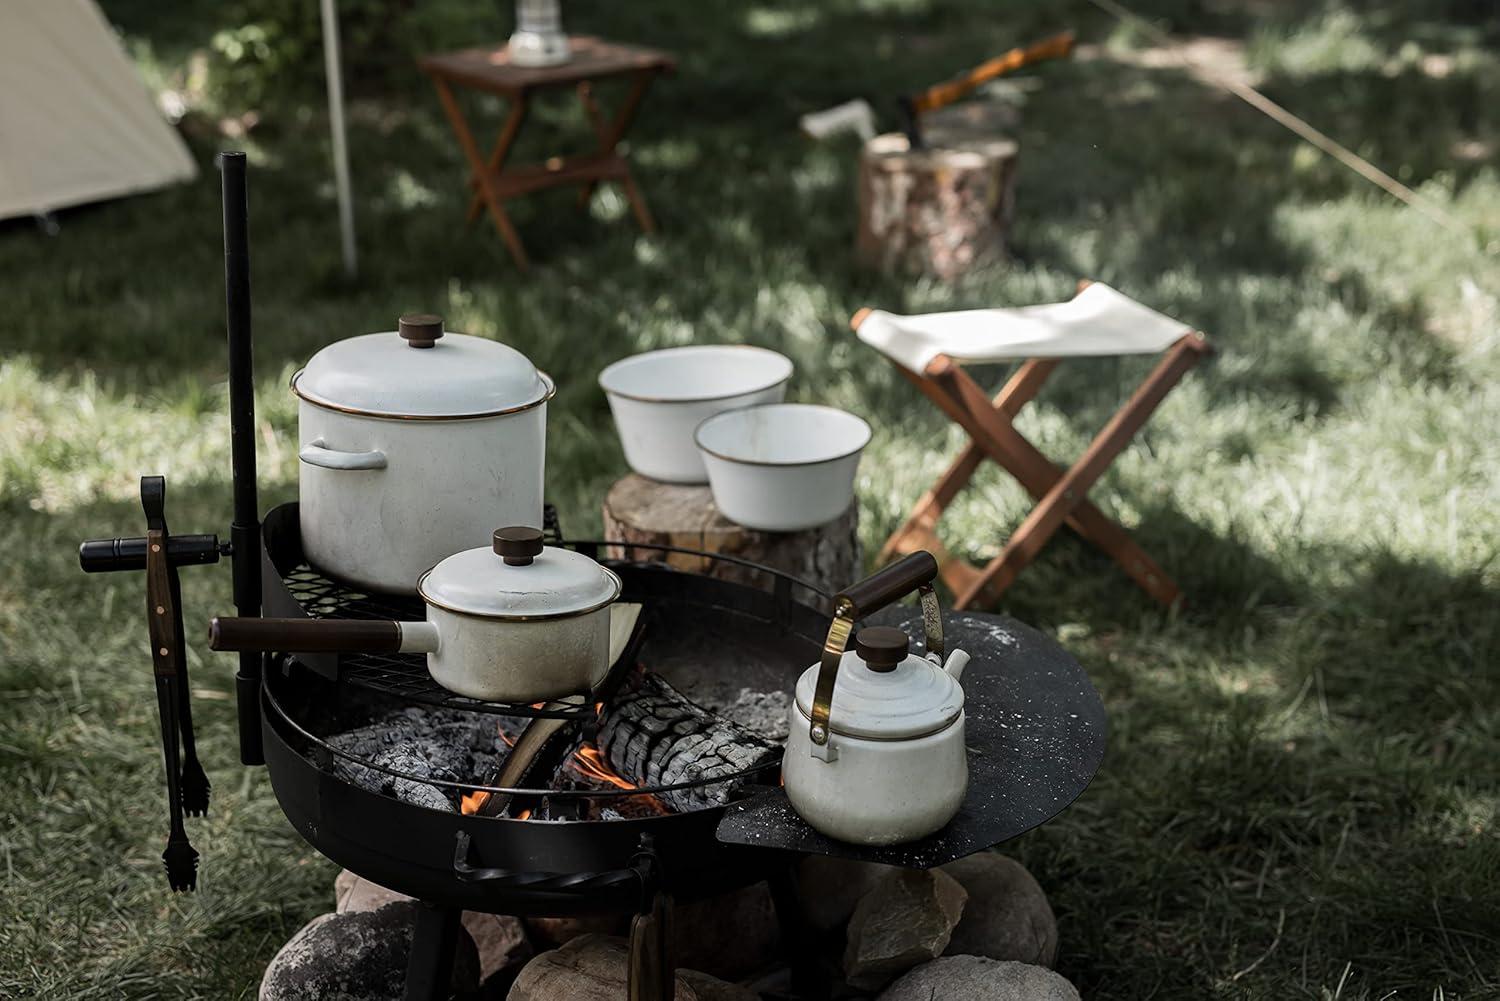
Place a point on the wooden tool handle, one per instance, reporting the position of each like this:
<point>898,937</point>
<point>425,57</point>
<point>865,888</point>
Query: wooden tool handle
<point>939,95</point>
<point>305,635</point>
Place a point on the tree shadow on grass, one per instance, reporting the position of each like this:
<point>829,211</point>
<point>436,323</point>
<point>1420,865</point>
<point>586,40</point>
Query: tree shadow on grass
<point>1317,779</point>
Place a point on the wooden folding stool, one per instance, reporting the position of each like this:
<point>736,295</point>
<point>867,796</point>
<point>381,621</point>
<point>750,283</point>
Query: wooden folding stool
<point>931,350</point>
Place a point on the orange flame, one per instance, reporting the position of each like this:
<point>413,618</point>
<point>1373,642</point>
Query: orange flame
<point>589,762</point>
<point>472,801</point>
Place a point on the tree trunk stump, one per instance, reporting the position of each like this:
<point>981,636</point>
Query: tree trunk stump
<point>668,514</point>
<point>941,210</point>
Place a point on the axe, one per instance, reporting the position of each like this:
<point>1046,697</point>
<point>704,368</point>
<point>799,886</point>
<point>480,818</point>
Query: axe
<point>940,95</point>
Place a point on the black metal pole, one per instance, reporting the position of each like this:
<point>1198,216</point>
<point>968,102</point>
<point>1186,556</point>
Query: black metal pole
<point>244,531</point>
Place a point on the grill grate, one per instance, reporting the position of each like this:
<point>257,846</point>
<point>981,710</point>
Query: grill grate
<point>404,675</point>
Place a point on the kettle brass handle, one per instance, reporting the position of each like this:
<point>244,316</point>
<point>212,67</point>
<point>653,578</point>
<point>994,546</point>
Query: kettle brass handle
<point>885,586</point>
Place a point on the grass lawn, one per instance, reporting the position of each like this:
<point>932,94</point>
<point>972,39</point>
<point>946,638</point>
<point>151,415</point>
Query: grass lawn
<point>1301,791</point>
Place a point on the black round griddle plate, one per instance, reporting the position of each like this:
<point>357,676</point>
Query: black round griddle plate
<point>1036,732</point>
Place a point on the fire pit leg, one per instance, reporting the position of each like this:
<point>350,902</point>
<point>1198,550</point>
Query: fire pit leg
<point>653,974</point>
<point>429,966</point>
<point>809,981</point>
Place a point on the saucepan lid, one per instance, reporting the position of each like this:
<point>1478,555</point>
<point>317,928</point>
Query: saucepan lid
<point>519,578</point>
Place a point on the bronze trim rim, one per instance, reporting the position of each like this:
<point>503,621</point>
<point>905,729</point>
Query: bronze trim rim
<point>869,436</point>
<point>619,588</point>
<point>638,398</point>
<point>549,391</point>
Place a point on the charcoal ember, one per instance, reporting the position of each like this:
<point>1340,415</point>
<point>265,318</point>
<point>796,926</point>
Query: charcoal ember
<point>428,743</point>
<point>653,735</point>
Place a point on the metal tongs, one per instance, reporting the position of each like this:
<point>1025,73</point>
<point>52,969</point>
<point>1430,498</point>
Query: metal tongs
<point>160,554</point>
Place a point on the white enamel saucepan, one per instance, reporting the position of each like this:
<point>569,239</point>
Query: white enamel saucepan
<point>513,622</point>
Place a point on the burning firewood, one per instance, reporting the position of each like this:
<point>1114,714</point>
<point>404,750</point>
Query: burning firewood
<point>654,735</point>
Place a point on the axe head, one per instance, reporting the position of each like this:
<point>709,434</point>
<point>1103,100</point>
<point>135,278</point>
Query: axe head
<point>911,124</point>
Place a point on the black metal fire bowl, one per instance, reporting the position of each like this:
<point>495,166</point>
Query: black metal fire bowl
<point>1035,729</point>
<point>705,631</point>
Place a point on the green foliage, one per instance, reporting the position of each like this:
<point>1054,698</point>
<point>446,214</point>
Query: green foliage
<point>272,51</point>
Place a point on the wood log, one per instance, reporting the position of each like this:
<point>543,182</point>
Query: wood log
<point>653,735</point>
<point>651,513</point>
<point>942,210</point>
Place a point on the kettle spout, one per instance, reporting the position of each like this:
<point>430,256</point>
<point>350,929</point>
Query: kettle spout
<point>957,661</point>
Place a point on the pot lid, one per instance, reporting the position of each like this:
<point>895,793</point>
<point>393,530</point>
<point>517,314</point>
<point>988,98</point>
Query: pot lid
<point>516,577</point>
<point>884,692</point>
<point>420,372</point>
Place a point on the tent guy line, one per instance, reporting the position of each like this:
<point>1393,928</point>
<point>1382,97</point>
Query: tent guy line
<point>1260,102</point>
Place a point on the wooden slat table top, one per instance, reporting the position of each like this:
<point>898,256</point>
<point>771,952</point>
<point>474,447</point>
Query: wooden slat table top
<point>489,67</point>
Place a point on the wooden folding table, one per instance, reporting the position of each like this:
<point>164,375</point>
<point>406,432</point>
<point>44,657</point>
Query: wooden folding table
<point>490,70</point>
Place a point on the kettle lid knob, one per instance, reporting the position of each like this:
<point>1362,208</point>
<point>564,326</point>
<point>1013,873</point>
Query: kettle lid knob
<point>420,330</point>
<point>881,647</point>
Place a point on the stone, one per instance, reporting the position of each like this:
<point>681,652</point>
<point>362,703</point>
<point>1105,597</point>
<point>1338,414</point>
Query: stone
<point>597,968</point>
<point>549,933</point>
<point>500,939</point>
<point>356,956</point>
<point>710,988</point>
<point>829,888</point>
<point>353,892</point>
<point>906,918</point>
<point>1007,916</point>
<point>977,978</point>
<point>731,936</point>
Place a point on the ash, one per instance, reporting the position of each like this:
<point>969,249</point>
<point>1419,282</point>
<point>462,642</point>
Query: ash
<point>763,712</point>
<point>435,743</point>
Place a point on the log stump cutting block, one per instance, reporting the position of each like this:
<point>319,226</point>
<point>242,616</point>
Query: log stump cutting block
<point>667,514</point>
<point>941,210</point>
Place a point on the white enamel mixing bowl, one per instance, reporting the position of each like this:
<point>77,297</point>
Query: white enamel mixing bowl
<point>660,397</point>
<point>782,467</point>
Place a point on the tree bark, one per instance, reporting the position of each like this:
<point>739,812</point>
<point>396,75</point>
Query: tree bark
<point>942,210</point>
<point>643,511</point>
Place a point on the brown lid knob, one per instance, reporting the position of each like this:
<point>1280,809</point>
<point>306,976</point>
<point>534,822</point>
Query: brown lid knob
<point>421,330</point>
<point>519,545</point>
<point>882,647</point>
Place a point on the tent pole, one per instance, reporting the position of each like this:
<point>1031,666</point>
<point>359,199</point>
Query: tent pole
<point>332,68</point>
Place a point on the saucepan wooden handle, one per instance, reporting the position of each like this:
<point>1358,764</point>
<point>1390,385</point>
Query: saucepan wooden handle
<point>889,584</point>
<point>305,635</point>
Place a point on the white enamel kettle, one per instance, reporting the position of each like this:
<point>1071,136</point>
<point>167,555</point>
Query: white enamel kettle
<point>876,754</point>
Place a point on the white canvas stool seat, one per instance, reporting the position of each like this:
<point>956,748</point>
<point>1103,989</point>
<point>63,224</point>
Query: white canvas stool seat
<point>931,349</point>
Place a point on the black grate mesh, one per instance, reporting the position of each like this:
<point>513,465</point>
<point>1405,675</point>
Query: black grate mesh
<point>403,675</point>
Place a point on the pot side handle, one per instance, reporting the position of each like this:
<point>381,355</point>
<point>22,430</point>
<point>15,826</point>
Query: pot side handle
<point>915,572</point>
<point>317,453</point>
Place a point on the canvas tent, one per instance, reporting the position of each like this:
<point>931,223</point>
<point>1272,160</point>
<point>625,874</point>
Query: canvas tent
<point>76,123</point>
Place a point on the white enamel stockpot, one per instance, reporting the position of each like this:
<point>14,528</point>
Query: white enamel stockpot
<point>515,621</point>
<point>413,444</point>
<point>894,767</point>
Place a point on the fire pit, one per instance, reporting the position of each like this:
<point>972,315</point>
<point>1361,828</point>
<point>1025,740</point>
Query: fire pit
<point>659,783</point>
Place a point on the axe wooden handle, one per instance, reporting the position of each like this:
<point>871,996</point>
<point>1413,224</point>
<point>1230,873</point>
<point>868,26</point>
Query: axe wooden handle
<point>939,95</point>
